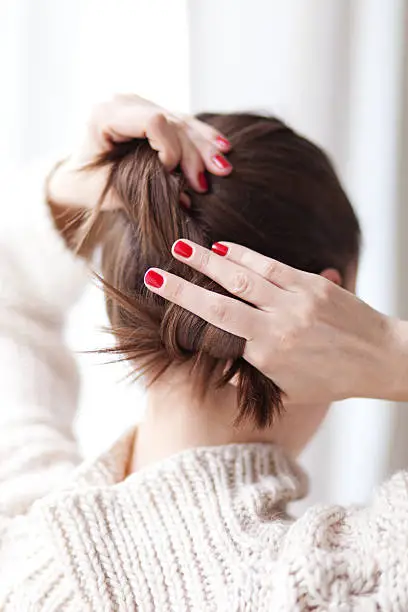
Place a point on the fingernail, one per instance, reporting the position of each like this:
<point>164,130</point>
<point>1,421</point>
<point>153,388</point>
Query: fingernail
<point>154,279</point>
<point>203,181</point>
<point>221,162</point>
<point>183,249</point>
<point>219,249</point>
<point>223,143</point>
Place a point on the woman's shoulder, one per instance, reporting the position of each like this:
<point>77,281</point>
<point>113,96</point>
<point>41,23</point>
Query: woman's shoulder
<point>214,531</point>
<point>209,529</point>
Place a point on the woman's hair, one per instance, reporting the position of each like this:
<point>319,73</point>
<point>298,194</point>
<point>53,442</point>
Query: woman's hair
<point>282,199</point>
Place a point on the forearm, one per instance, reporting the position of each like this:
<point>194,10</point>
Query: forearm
<point>381,368</point>
<point>81,227</point>
<point>373,361</point>
<point>75,185</point>
<point>39,280</point>
<point>80,231</point>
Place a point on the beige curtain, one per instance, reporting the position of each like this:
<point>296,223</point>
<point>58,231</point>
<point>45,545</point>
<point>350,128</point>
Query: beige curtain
<point>335,69</point>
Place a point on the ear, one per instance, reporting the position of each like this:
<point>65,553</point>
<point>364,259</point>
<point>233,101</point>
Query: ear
<point>332,275</point>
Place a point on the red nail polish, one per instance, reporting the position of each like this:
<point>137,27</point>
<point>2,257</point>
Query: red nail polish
<point>221,162</point>
<point>203,181</point>
<point>223,143</point>
<point>153,279</point>
<point>183,249</point>
<point>219,249</point>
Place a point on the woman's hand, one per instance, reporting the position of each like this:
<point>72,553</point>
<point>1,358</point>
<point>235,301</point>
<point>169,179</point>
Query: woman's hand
<point>317,341</point>
<point>187,142</point>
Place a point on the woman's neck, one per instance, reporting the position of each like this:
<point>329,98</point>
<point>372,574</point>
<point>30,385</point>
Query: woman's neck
<point>177,419</point>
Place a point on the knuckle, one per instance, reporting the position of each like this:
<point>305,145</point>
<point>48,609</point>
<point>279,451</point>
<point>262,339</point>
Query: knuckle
<point>218,312</point>
<point>271,271</point>
<point>168,156</point>
<point>203,260</point>
<point>176,292</point>
<point>323,291</point>
<point>241,284</point>
<point>157,121</point>
<point>307,313</point>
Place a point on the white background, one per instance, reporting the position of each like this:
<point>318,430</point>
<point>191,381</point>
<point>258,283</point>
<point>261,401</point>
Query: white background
<point>335,69</point>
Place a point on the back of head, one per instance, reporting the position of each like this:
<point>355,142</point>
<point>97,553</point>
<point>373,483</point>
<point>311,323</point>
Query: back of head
<point>283,199</point>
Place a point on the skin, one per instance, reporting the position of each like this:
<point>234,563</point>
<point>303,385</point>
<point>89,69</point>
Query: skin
<point>194,145</point>
<point>306,333</point>
<point>315,339</point>
<point>176,420</point>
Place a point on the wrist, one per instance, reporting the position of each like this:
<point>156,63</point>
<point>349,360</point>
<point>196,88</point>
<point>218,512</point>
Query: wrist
<point>65,192</point>
<point>398,360</point>
<point>68,185</point>
<point>74,183</point>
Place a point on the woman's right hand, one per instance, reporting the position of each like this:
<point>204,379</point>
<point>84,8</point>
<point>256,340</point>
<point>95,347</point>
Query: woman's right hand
<point>184,141</point>
<point>315,340</point>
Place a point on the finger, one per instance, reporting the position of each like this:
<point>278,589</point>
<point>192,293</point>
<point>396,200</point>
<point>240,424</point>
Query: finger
<point>237,280</point>
<point>121,119</point>
<point>224,312</point>
<point>163,138</point>
<point>125,118</point>
<point>192,164</point>
<point>214,160</point>
<point>273,271</point>
<point>210,134</point>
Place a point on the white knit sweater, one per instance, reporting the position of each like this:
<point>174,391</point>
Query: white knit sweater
<point>205,530</point>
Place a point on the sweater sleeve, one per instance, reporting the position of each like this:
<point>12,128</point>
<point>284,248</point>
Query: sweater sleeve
<point>39,280</point>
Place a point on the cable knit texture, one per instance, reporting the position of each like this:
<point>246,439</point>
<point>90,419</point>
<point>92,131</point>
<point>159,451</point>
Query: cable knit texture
<point>205,530</point>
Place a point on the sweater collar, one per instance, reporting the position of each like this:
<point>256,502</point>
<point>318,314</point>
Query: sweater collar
<point>230,466</point>
<point>123,537</point>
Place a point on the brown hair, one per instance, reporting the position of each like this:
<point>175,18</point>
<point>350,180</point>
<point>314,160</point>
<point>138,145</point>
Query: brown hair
<point>283,199</point>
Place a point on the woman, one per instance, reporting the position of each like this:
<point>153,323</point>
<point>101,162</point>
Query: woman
<point>190,513</point>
